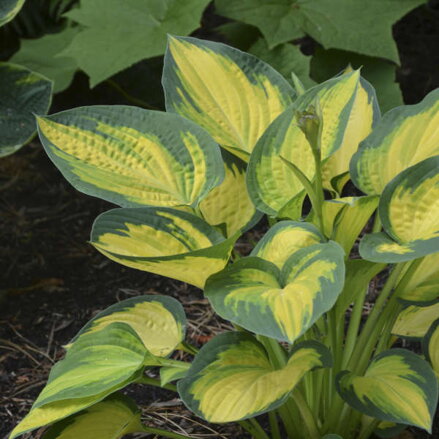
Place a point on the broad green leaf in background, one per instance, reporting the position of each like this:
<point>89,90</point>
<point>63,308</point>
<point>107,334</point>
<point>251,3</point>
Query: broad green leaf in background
<point>286,59</point>
<point>336,24</point>
<point>97,365</point>
<point>232,378</point>
<point>255,294</point>
<point>9,9</point>
<point>284,239</point>
<point>41,56</point>
<point>116,34</point>
<point>380,73</point>
<point>415,321</point>
<point>409,211</point>
<point>231,94</point>
<point>239,35</point>
<point>159,321</point>
<point>398,386</point>
<point>22,93</point>
<point>112,418</point>
<point>271,183</point>
<point>131,156</point>
<point>164,241</point>
<point>229,203</point>
<point>405,136</point>
<point>430,345</point>
<point>423,286</point>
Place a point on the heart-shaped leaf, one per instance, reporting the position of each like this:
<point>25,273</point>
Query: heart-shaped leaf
<point>131,156</point>
<point>405,136</point>
<point>233,95</point>
<point>415,321</point>
<point>112,418</point>
<point>256,295</point>
<point>22,93</point>
<point>159,321</point>
<point>271,183</point>
<point>164,241</point>
<point>232,378</point>
<point>398,386</point>
<point>284,239</point>
<point>409,211</point>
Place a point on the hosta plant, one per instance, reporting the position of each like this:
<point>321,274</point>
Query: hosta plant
<point>238,142</point>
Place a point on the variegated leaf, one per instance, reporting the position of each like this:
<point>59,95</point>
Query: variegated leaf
<point>271,183</point>
<point>405,136</point>
<point>96,365</point>
<point>398,386</point>
<point>23,93</point>
<point>159,321</point>
<point>173,373</point>
<point>9,9</point>
<point>256,295</point>
<point>131,156</point>
<point>409,211</point>
<point>229,203</point>
<point>284,239</point>
<point>430,345</point>
<point>232,378</point>
<point>164,241</point>
<point>233,95</point>
<point>415,321</point>
<point>112,418</point>
<point>363,117</point>
<point>423,286</point>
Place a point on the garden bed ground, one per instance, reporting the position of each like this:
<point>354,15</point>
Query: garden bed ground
<point>52,281</point>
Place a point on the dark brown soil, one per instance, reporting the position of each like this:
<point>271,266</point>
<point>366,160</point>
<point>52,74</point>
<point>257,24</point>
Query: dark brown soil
<point>52,281</point>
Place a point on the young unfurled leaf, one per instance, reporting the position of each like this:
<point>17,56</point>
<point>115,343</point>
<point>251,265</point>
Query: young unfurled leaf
<point>271,183</point>
<point>115,35</point>
<point>164,241</point>
<point>9,9</point>
<point>132,157</point>
<point>173,373</point>
<point>423,286</point>
<point>229,203</point>
<point>284,239</point>
<point>96,365</point>
<point>159,321</point>
<point>112,418</point>
<point>398,386</point>
<point>430,345</point>
<point>415,321</point>
<point>22,93</point>
<point>405,136</point>
<point>232,378</point>
<point>231,94</point>
<point>409,211</point>
<point>256,295</point>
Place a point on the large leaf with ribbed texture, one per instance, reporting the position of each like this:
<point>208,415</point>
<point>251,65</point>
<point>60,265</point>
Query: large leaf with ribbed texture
<point>398,386</point>
<point>131,156</point>
<point>231,94</point>
<point>405,136</point>
<point>232,378</point>
<point>164,241</point>
<point>159,321</point>
<point>282,304</point>
<point>409,211</point>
